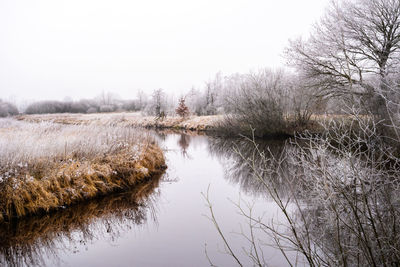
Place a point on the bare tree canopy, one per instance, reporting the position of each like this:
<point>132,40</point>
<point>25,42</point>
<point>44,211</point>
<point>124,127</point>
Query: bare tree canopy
<point>354,42</point>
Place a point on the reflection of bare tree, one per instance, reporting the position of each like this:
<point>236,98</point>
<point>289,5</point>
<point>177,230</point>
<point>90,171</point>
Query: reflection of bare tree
<point>183,143</point>
<point>28,241</point>
<point>341,202</point>
<point>237,168</point>
<point>349,211</point>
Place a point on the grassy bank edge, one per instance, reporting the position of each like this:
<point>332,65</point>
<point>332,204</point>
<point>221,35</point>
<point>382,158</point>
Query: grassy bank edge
<point>215,124</point>
<point>74,181</point>
<point>192,123</point>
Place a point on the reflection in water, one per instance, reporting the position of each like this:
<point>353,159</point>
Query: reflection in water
<point>237,167</point>
<point>350,207</point>
<point>183,143</point>
<point>344,204</point>
<point>29,241</point>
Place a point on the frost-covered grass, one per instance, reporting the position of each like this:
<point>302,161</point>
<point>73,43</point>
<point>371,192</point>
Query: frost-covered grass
<point>22,142</point>
<point>216,123</point>
<point>46,165</point>
<point>129,120</point>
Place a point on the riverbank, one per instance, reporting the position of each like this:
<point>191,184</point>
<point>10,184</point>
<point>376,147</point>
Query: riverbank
<point>192,123</point>
<point>216,124</point>
<point>47,166</point>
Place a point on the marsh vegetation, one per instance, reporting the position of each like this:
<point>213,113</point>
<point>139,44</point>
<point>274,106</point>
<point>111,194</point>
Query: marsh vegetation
<point>48,166</point>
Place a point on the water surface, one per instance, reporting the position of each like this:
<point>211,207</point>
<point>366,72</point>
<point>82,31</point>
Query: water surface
<point>164,224</point>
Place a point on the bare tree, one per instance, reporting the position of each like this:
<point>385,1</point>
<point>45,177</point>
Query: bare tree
<point>157,104</point>
<point>212,89</point>
<point>195,101</point>
<point>142,99</point>
<point>356,43</point>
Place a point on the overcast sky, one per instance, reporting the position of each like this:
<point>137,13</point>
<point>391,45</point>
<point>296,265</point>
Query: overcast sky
<point>51,49</point>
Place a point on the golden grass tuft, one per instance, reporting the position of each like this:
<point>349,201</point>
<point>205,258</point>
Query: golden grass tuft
<point>68,183</point>
<point>48,183</point>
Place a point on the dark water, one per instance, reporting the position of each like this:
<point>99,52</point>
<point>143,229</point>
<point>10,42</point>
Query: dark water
<point>163,223</point>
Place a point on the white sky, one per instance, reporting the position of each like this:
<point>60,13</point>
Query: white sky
<point>50,49</point>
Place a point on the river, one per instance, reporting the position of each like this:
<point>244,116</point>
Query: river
<point>164,224</point>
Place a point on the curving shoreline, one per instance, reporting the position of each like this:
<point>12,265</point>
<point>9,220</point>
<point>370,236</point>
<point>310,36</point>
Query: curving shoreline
<point>39,175</point>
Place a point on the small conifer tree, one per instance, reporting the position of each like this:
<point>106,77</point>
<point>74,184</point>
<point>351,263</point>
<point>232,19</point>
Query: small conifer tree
<point>182,110</point>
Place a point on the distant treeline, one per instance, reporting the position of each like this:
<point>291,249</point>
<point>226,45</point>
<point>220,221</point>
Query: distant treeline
<point>68,106</point>
<point>7,109</point>
<point>273,101</point>
<point>264,99</point>
<point>81,106</point>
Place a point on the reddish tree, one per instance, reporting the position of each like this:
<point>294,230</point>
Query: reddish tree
<point>182,110</point>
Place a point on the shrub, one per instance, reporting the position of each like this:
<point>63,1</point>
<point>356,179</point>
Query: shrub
<point>92,110</point>
<point>7,109</point>
<point>257,101</point>
<point>49,106</point>
<point>106,108</point>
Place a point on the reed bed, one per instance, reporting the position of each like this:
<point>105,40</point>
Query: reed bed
<point>45,166</point>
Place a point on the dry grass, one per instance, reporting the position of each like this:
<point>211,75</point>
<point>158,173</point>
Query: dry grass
<point>26,241</point>
<point>197,123</point>
<point>46,166</point>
